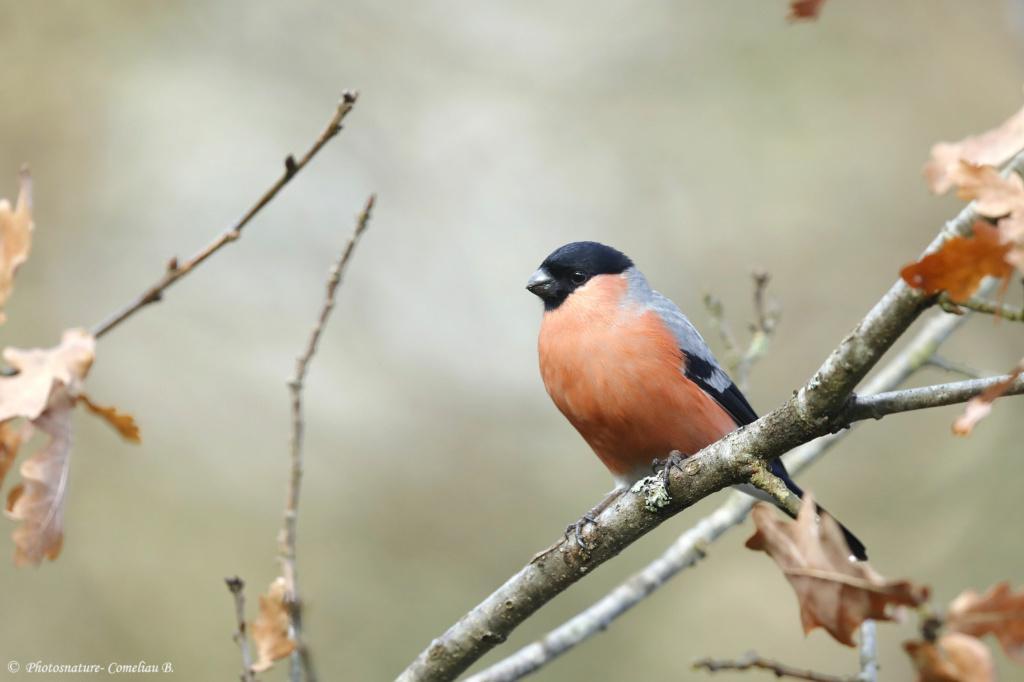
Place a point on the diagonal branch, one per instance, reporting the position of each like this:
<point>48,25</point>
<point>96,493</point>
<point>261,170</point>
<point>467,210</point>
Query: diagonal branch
<point>174,271</point>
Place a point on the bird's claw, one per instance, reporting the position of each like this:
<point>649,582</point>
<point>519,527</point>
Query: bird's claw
<point>577,530</point>
<point>666,465</point>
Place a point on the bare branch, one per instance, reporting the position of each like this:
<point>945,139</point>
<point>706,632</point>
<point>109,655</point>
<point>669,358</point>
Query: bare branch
<point>237,585</point>
<point>287,536</point>
<point>175,271</point>
<point>721,325</point>
<point>940,395</point>
<point>868,652</point>
<point>768,482</point>
<point>752,660</point>
<point>955,367</point>
<point>981,306</point>
<point>686,551</point>
<point>740,362</point>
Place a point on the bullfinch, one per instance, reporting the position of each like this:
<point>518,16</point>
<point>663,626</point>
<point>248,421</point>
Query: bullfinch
<point>629,371</point>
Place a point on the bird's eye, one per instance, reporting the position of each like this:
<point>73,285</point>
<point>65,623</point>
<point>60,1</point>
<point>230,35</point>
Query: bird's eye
<point>578,277</point>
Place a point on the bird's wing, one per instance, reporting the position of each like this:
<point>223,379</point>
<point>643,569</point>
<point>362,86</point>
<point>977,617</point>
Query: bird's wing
<point>701,366</point>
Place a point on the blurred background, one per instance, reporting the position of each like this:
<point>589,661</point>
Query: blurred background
<point>703,139</point>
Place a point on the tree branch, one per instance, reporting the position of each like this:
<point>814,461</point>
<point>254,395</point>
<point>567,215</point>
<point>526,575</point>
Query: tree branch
<point>287,536</point>
<point>741,362</point>
<point>174,271</point>
<point>955,367</point>
<point>731,460</point>
<point>939,395</point>
<point>752,660</point>
<point>981,306</point>
<point>868,652</point>
<point>237,587</point>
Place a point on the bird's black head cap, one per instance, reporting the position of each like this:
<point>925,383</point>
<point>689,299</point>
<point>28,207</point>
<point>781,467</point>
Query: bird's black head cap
<point>572,266</point>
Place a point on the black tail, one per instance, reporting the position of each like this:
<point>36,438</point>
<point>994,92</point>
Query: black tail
<point>856,546</point>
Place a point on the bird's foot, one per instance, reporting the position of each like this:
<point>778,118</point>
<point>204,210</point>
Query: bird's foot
<point>572,531</point>
<point>665,466</point>
<point>577,530</point>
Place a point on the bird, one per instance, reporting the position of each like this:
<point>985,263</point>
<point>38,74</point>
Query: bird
<point>631,373</point>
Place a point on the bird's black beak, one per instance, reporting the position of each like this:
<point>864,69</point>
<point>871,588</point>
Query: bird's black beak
<point>540,283</point>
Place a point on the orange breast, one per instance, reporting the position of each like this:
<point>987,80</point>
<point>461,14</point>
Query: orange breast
<point>616,373</point>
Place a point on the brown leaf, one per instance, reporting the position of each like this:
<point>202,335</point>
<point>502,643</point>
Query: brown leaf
<point>803,10</point>
<point>1016,256</point>
<point>978,407</point>
<point>954,657</point>
<point>992,148</point>
<point>960,265</point>
<point>39,501</point>
<point>834,592</point>
<point>996,196</point>
<point>27,393</point>
<point>15,236</point>
<point>124,423</point>
<point>11,440</point>
<point>45,389</point>
<point>998,612</point>
<point>270,630</point>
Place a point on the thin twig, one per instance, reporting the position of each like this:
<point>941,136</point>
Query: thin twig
<point>752,660</point>
<point>768,313</point>
<point>237,585</point>
<point>766,481</point>
<point>1008,313</point>
<point>692,545</point>
<point>721,325</point>
<point>740,362</point>
<point>175,271</point>
<point>955,367</point>
<point>939,395</point>
<point>287,537</point>
<point>868,652</point>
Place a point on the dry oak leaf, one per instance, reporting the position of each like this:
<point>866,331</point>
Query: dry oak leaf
<point>40,500</point>
<point>953,657</point>
<point>979,407</point>
<point>27,393</point>
<point>44,391</point>
<point>15,236</point>
<point>123,423</point>
<point>834,592</point>
<point>998,612</point>
<point>960,265</point>
<point>995,197</point>
<point>11,440</point>
<point>803,10</point>
<point>992,148</point>
<point>270,630</point>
